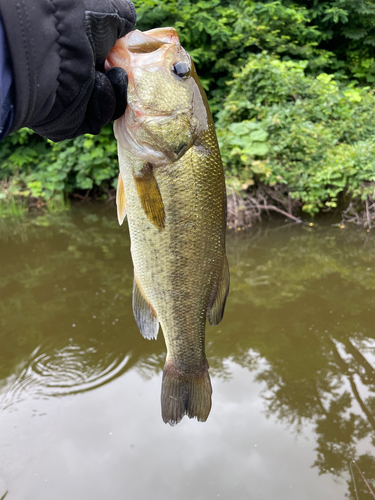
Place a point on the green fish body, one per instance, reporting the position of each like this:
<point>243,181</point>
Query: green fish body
<point>172,189</point>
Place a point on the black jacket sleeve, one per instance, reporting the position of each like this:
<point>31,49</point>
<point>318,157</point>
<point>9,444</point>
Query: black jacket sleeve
<point>57,50</point>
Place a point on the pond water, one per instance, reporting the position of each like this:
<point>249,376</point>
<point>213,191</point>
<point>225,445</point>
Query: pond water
<point>292,369</point>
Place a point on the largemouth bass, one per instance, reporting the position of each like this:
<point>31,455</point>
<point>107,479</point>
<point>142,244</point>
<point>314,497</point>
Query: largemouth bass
<point>171,187</point>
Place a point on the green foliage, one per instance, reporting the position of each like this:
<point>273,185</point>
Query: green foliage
<point>47,170</point>
<point>308,133</point>
<point>220,35</point>
<point>346,28</point>
<point>283,79</point>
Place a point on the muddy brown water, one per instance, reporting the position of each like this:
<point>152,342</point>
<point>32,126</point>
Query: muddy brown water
<point>292,368</point>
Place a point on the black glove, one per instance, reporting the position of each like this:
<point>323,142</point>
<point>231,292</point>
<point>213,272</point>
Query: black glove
<point>57,49</point>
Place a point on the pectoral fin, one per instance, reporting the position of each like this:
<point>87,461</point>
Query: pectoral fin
<point>216,311</point>
<point>144,314</point>
<point>149,194</point>
<point>120,200</point>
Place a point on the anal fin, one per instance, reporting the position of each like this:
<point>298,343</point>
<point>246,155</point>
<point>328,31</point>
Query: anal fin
<point>149,194</point>
<point>120,200</point>
<point>216,311</point>
<point>144,314</point>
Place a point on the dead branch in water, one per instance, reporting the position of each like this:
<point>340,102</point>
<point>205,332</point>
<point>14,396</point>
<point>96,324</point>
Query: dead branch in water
<point>243,211</point>
<point>359,214</point>
<point>84,197</point>
<point>363,477</point>
<point>237,214</point>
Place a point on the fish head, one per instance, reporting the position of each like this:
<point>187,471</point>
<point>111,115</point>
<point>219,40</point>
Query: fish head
<point>166,107</point>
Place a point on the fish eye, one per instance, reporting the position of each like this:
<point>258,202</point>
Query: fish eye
<point>181,69</point>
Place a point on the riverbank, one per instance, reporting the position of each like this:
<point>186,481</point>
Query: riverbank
<point>246,208</point>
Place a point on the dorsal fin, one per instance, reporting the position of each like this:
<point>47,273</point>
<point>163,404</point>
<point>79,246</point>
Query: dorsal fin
<point>149,194</point>
<point>120,200</point>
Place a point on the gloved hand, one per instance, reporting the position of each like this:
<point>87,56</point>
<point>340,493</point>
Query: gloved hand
<point>58,48</point>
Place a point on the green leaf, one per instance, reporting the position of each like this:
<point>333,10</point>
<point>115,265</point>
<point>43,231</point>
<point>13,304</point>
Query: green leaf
<point>257,149</point>
<point>259,135</point>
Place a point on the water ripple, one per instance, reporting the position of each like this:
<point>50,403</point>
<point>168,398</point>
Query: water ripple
<point>60,372</point>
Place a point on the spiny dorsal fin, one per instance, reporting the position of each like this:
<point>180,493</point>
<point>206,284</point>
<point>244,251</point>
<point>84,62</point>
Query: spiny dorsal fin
<point>216,311</point>
<point>149,194</point>
<point>144,314</point>
<point>120,200</point>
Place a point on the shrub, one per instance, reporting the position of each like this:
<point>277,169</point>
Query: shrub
<point>308,133</point>
<point>50,170</point>
<point>285,122</point>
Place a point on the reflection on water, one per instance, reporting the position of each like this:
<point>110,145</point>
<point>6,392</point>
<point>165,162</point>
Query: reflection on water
<point>63,284</point>
<point>300,318</point>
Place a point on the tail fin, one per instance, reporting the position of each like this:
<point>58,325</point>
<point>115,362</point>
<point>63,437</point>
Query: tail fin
<point>185,394</point>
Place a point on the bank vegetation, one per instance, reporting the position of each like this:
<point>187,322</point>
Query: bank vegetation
<point>291,88</point>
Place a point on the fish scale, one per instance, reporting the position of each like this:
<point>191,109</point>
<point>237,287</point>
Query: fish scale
<point>193,231</point>
<point>176,210</point>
